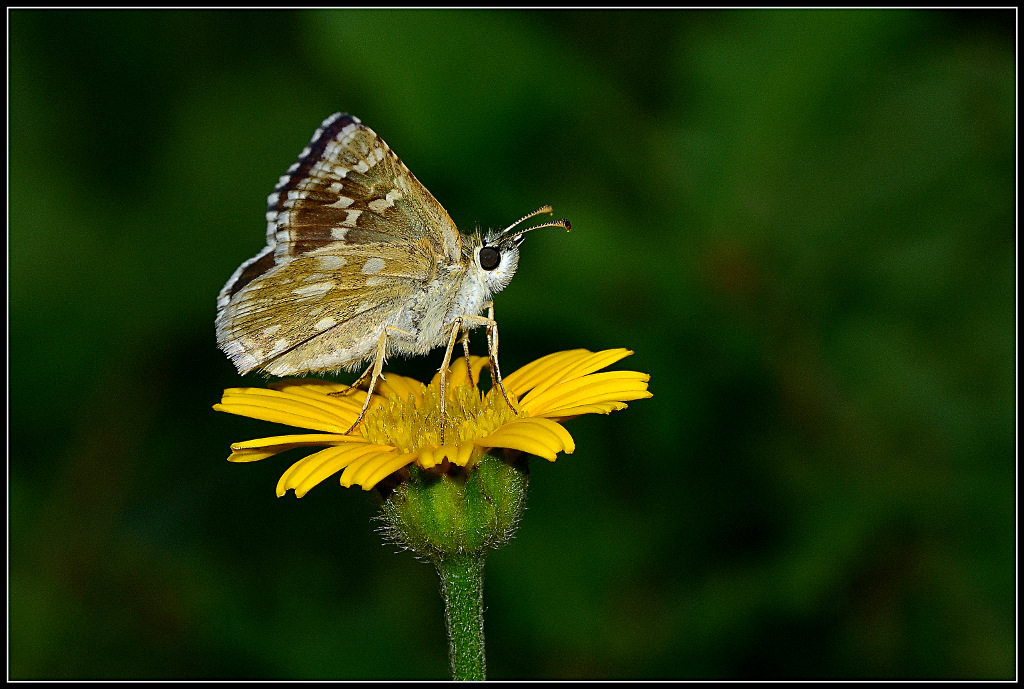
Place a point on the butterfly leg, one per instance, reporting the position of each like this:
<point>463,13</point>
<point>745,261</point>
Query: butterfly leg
<point>378,365</point>
<point>456,326</point>
<point>355,385</point>
<point>465,351</point>
<point>492,352</point>
<point>469,321</point>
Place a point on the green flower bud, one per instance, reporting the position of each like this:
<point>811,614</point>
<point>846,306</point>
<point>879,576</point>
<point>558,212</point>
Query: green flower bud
<point>457,512</point>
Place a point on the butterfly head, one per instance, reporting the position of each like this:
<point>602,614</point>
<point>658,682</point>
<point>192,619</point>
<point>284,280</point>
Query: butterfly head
<point>495,260</point>
<point>497,255</point>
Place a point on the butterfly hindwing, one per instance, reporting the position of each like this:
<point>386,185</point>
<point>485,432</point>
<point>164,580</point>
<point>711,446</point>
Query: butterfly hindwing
<point>316,311</point>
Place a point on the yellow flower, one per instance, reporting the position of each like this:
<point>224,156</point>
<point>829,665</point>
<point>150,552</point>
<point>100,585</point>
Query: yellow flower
<point>403,422</point>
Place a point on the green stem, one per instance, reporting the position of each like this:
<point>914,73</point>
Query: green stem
<point>462,587</point>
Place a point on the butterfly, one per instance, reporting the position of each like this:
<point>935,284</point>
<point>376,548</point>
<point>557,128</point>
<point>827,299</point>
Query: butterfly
<point>362,262</point>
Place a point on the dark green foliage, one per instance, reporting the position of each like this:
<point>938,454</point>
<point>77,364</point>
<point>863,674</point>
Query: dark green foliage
<point>803,222</point>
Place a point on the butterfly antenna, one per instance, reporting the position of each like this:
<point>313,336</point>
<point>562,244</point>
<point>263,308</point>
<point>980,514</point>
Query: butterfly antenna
<point>546,208</point>
<point>554,223</point>
<point>505,234</point>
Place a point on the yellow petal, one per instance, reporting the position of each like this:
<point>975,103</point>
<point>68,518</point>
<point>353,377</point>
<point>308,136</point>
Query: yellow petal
<point>310,395</point>
<point>444,452</point>
<point>584,367</point>
<point>516,441</point>
<point>401,386</point>
<point>313,385</point>
<point>591,389</point>
<point>426,458</point>
<point>305,474</point>
<point>287,408</point>
<point>261,448</point>
<point>457,371</point>
<point>252,455</point>
<point>460,374</point>
<point>349,404</point>
<point>566,413</point>
<point>457,454</point>
<point>386,468</point>
<point>353,458</point>
<point>303,439</point>
<point>549,432</point>
<point>360,473</point>
<point>302,468</point>
<point>364,466</point>
<point>265,413</point>
<point>464,454</point>
<point>300,440</point>
<point>575,364</point>
<point>540,370</point>
<point>609,397</point>
<point>541,437</point>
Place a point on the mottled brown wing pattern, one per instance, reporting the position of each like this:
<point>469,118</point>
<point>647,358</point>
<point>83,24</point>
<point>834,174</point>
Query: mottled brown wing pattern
<point>347,185</point>
<point>351,234</point>
<point>314,313</point>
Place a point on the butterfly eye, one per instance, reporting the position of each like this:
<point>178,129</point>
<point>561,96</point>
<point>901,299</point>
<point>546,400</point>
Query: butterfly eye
<point>489,258</point>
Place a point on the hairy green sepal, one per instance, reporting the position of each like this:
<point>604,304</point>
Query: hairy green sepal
<point>437,516</point>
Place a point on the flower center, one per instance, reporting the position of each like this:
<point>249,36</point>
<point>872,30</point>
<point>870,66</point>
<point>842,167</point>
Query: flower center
<point>410,424</point>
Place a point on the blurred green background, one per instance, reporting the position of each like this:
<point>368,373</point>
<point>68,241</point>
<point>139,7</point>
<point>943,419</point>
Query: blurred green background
<point>803,223</point>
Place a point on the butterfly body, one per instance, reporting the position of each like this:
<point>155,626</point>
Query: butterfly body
<point>361,262</point>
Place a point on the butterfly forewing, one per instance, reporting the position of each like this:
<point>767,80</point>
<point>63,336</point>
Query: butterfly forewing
<point>348,216</point>
<point>350,186</point>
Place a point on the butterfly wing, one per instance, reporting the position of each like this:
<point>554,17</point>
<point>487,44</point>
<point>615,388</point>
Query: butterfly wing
<point>323,310</point>
<point>352,236</point>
